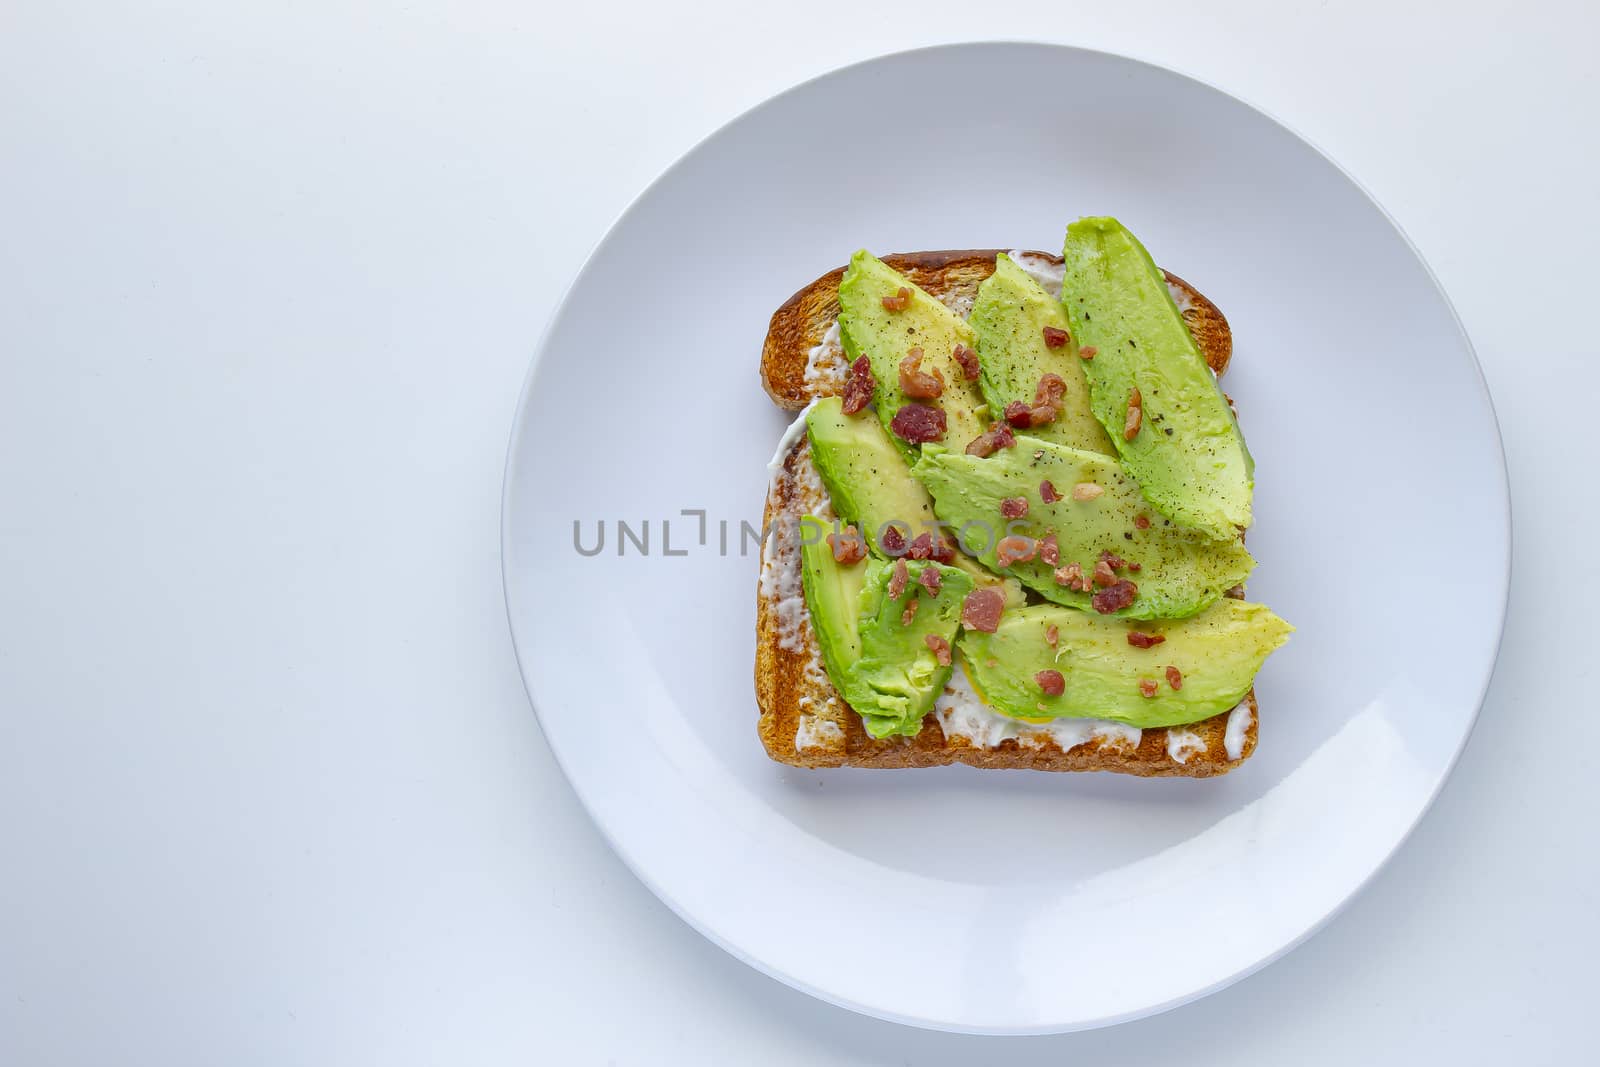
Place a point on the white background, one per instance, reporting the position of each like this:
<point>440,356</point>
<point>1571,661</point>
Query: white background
<point>270,275</point>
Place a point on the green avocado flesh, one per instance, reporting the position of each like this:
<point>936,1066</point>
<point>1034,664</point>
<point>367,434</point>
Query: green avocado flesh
<point>1009,318</point>
<point>1181,570</point>
<point>885,337</point>
<point>880,663</point>
<point>1188,456</point>
<point>1217,652</point>
<point>871,486</point>
<point>866,476</point>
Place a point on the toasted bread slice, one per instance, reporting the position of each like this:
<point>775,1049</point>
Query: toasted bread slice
<point>804,721</point>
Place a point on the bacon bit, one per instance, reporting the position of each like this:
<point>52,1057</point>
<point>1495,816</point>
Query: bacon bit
<point>1019,414</point>
<point>918,423</point>
<point>1088,352</point>
<point>1051,635</point>
<point>1103,575</point>
<point>931,580</point>
<point>970,368</point>
<point>1140,639</point>
<point>847,546</point>
<point>921,546</point>
<point>916,382</point>
<point>1148,687</point>
<point>1046,400</point>
<point>1236,593</point>
<point>1175,678</point>
<point>1135,567</point>
<point>990,441</point>
<point>897,580</point>
<point>941,551</point>
<point>899,301</point>
<point>1141,522</point>
<point>1049,391</point>
<point>1014,507</point>
<point>1051,682</point>
<point>1116,561</point>
<point>1049,551</point>
<point>1130,426</point>
<point>982,609</point>
<point>911,611</point>
<point>858,390</point>
<point>1047,492</point>
<point>1071,576</point>
<point>1085,491</point>
<point>939,646</point>
<point>891,540</point>
<point>1054,337</point>
<point>1015,549</point>
<point>1115,598</point>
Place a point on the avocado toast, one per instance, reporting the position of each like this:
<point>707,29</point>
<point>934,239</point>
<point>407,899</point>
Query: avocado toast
<point>987,416</point>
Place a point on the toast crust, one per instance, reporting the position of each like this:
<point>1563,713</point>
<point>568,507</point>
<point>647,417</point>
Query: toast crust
<point>803,720</point>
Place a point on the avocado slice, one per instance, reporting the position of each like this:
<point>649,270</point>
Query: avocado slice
<point>886,336</point>
<point>899,676</point>
<point>1186,451</point>
<point>1180,570</point>
<point>1010,317</point>
<point>867,478</point>
<point>1216,654</point>
<point>833,597</point>
<point>870,485</point>
<point>880,662</point>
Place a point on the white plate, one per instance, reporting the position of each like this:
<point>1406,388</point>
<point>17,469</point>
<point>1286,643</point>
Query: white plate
<point>964,899</point>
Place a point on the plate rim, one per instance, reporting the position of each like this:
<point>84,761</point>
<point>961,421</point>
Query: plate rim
<point>1502,486</point>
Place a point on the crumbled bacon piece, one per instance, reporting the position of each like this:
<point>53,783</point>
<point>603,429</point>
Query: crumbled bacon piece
<point>916,382</point>
<point>1086,491</point>
<point>1116,561</point>
<point>921,546</point>
<point>1052,635</point>
<point>970,367</point>
<point>1088,352</point>
<point>891,540</point>
<point>931,580</point>
<point>918,423</point>
<point>1148,687</point>
<point>899,301</point>
<point>1130,425</point>
<point>1051,682</point>
<point>1047,492</point>
<point>1175,678</point>
<point>912,604</point>
<point>1135,567</point>
<point>940,550</point>
<point>1019,414</point>
<point>1049,391</point>
<point>1055,337</point>
<point>1049,550</point>
<point>1015,549</point>
<point>858,390</point>
<point>940,648</point>
<point>1103,575</point>
<point>847,546</point>
<point>1115,597</point>
<point>1071,576</point>
<point>982,609</point>
<point>1140,639</point>
<point>990,441</point>
<point>1014,507</point>
<point>1141,521</point>
<point>898,579</point>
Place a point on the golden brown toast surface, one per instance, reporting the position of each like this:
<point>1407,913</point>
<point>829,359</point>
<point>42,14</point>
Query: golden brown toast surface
<point>804,722</point>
